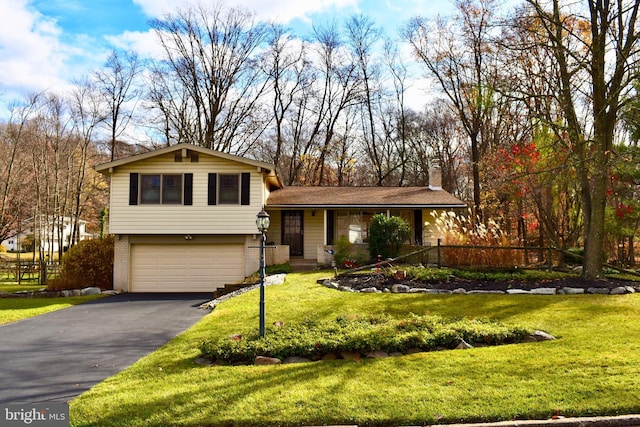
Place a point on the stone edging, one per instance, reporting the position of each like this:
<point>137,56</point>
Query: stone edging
<point>405,289</point>
<point>58,294</point>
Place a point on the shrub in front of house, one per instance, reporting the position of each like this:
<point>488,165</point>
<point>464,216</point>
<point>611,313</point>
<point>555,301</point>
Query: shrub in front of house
<point>314,338</point>
<point>88,263</point>
<point>387,235</point>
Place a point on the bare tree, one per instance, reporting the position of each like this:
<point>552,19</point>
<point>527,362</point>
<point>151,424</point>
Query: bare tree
<point>13,135</point>
<point>210,52</point>
<point>86,114</point>
<point>288,69</point>
<point>457,53</point>
<point>116,83</point>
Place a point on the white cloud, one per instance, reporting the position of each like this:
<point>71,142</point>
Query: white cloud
<point>145,44</point>
<point>31,54</point>
<point>275,10</point>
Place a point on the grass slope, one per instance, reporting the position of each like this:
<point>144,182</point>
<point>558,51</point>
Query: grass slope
<point>594,369</point>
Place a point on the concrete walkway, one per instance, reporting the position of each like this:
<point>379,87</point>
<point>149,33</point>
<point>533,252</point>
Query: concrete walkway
<point>59,355</point>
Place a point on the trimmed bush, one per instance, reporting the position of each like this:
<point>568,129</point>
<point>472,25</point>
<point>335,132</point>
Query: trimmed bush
<point>314,338</point>
<point>89,263</point>
<point>387,235</point>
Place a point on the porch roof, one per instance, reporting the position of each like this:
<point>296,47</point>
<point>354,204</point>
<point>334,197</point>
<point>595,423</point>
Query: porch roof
<point>363,197</point>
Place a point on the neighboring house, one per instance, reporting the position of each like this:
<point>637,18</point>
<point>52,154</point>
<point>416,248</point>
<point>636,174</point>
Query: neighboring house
<point>52,233</point>
<point>184,217</point>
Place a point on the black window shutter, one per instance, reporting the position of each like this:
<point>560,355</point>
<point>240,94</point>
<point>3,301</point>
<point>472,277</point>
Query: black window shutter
<point>330,227</point>
<point>244,188</point>
<point>213,187</point>
<point>133,189</point>
<point>188,189</point>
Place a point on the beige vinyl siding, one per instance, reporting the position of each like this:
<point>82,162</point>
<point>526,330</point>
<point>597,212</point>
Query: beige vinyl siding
<point>274,234</point>
<point>313,232</point>
<point>200,218</point>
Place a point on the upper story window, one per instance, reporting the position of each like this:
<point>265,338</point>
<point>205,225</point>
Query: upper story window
<point>160,189</point>
<point>228,189</point>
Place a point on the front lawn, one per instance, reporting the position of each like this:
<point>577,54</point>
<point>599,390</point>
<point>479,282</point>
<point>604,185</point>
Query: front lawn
<point>593,369</point>
<point>13,309</point>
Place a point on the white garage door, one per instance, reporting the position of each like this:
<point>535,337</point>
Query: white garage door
<point>185,268</point>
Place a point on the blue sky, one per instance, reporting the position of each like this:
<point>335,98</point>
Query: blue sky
<point>45,44</point>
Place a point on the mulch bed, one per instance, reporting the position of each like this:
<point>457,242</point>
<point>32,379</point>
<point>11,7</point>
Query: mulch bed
<point>362,281</point>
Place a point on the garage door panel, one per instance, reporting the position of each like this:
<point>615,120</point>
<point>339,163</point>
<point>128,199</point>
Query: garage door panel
<point>185,268</point>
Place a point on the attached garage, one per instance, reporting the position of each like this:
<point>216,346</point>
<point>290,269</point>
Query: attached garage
<point>185,267</point>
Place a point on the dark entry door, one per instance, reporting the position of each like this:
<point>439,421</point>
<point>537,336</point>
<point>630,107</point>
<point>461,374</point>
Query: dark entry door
<point>292,232</point>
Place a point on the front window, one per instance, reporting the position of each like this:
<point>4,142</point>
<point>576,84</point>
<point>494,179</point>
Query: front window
<point>161,189</point>
<point>172,189</point>
<point>354,225</point>
<point>229,189</point>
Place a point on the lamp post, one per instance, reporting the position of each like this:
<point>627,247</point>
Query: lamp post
<point>262,222</point>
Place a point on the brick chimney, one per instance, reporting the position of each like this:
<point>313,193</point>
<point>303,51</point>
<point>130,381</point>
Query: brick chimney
<point>435,178</point>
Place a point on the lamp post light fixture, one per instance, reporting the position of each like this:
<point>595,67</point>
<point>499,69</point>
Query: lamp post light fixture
<point>262,222</point>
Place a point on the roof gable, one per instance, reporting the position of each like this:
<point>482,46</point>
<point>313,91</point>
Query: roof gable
<point>108,167</point>
<point>267,169</point>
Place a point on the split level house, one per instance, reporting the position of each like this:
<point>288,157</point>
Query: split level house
<point>184,217</point>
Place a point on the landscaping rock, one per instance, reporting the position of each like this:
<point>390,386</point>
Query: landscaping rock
<point>295,359</point>
<point>459,291</point>
<point>369,290</point>
<point>332,285</point>
<point>485,292</point>
<point>400,289</point>
<point>517,291</point>
<point>203,361</point>
<point>463,345</point>
<point>351,355</point>
<point>396,354</point>
<point>543,291</point>
<point>542,336</point>
<point>418,290</point>
<point>377,355</point>
<point>110,292</point>
<point>621,290</point>
<point>346,289</point>
<point>572,291</point>
<point>264,360</point>
<point>91,291</point>
<point>275,279</point>
<point>601,291</point>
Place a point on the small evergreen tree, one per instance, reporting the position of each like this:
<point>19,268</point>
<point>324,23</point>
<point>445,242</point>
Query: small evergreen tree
<point>387,235</point>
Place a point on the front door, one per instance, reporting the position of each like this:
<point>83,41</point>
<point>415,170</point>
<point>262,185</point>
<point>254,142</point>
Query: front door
<point>292,232</point>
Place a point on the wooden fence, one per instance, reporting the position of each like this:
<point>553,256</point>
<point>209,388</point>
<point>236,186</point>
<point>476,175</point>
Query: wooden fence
<point>484,256</point>
<point>28,270</point>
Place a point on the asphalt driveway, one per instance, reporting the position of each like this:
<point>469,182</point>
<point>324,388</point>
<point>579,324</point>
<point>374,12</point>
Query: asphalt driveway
<point>59,355</point>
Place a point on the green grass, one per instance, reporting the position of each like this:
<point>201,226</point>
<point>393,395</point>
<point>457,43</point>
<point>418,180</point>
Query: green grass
<point>593,369</point>
<point>13,309</point>
<point>12,286</point>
